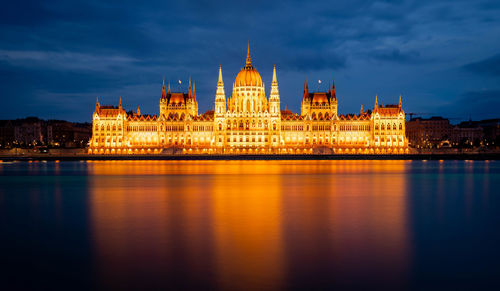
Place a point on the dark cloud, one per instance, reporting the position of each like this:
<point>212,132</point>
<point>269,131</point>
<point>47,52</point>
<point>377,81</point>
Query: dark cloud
<point>395,55</point>
<point>489,66</point>
<point>56,56</point>
<point>476,105</point>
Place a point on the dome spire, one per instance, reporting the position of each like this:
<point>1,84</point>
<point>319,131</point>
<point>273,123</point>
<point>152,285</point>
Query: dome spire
<point>249,59</point>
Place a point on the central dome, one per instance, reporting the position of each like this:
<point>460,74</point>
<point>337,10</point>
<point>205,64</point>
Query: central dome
<point>248,76</point>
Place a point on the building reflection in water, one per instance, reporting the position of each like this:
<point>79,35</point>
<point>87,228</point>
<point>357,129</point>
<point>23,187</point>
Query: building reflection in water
<point>249,224</point>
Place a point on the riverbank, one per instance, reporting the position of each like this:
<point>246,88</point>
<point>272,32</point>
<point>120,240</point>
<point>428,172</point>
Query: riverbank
<point>86,157</point>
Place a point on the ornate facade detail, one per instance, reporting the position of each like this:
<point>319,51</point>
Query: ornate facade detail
<point>248,122</point>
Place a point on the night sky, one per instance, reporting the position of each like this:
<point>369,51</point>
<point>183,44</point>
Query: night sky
<point>443,57</point>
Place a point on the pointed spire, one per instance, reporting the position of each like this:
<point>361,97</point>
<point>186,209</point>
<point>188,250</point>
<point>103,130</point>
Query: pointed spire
<point>220,75</point>
<point>333,94</point>
<point>120,104</point>
<point>194,91</point>
<point>190,93</point>
<point>138,110</point>
<point>168,92</point>
<point>275,95</point>
<point>220,95</point>
<point>361,111</point>
<point>97,101</point>
<point>163,94</point>
<point>400,104</point>
<point>306,90</point>
<point>376,102</point>
<point>249,59</point>
<point>275,81</point>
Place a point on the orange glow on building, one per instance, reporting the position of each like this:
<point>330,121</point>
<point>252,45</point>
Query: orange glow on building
<point>248,123</point>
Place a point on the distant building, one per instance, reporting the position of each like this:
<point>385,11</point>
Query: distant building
<point>68,134</point>
<point>428,132</point>
<point>29,131</point>
<point>491,129</point>
<point>32,131</point>
<point>7,133</point>
<point>467,133</point>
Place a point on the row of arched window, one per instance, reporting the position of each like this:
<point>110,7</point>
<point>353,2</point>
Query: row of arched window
<point>388,126</point>
<point>108,127</point>
<point>354,127</point>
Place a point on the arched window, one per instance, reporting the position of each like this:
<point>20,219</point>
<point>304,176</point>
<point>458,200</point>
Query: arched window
<point>400,126</point>
<point>382,126</point>
<point>220,126</point>
<point>394,126</point>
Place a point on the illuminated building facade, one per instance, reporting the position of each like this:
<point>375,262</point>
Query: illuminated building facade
<point>248,122</point>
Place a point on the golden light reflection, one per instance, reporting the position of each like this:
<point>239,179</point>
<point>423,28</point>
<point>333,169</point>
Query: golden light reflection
<point>248,224</point>
<point>249,247</point>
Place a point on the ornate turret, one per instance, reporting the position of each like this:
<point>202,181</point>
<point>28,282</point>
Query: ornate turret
<point>138,110</point>
<point>120,104</point>
<point>376,102</point>
<point>168,92</point>
<point>305,94</point>
<point>220,96</point>
<point>274,98</point>
<point>400,104</point>
<point>97,104</point>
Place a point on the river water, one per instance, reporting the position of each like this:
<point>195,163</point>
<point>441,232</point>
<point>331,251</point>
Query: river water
<point>250,225</point>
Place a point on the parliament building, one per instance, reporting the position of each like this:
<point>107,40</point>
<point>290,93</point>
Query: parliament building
<point>248,122</point>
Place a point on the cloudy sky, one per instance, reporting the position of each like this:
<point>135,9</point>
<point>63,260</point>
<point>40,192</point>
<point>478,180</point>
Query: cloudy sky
<point>443,57</point>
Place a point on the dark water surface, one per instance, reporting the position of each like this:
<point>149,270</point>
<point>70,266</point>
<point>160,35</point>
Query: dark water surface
<point>255,225</point>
